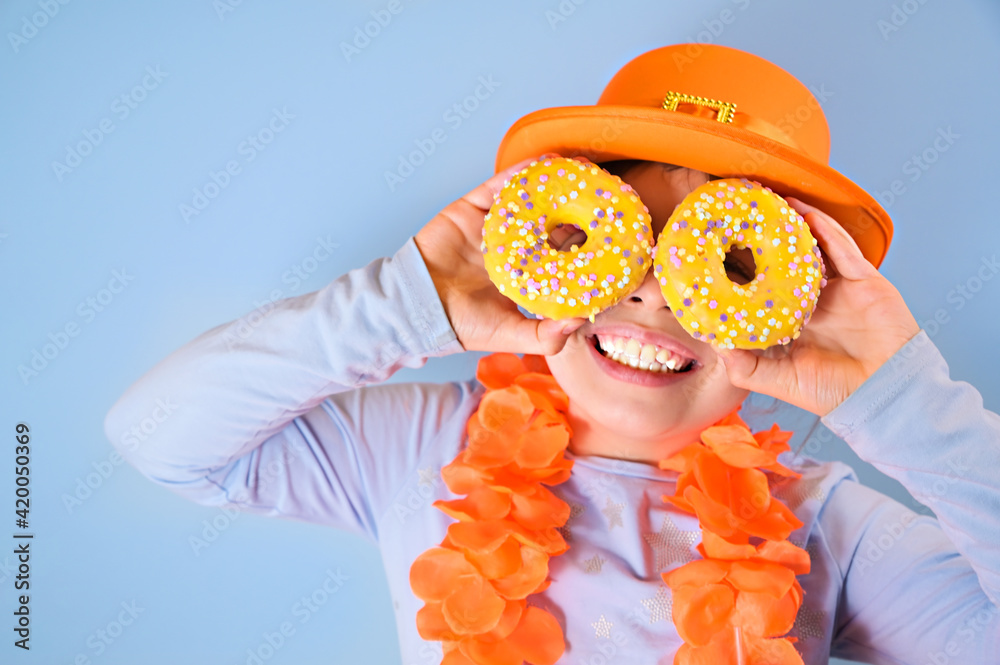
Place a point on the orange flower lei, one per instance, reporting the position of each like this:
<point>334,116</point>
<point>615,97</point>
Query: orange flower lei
<point>730,607</point>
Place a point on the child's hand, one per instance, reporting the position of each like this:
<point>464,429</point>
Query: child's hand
<point>859,323</point>
<point>483,318</point>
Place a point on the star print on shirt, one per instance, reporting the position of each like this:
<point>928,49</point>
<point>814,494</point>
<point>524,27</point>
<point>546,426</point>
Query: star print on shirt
<point>575,509</point>
<point>603,627</point>
<point>613,511</point>
<point>427,476</point>
<point>809,623</point>
<point>794,492</point>
<point>592,566</point>
<point>660,606</point>
<point>671,544</point>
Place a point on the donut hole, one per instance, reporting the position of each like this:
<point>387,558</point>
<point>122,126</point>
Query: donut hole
<point>563,237</point>
<point>740,265</point>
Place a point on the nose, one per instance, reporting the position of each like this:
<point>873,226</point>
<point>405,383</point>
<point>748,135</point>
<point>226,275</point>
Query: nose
<point>648,295</point>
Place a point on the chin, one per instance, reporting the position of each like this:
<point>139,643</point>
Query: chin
<point>639,404</point>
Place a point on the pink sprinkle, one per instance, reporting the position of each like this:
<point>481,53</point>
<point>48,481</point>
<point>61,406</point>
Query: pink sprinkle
<point>788,228</point>
<point>673,250</point>
<point>543,178</point>
<point>729,204</point>
<point>798,314</point>
<point>701,241</point>
<point>561,172</point>
<point>506,266</point>
<point>793,266</point>
<point>712,304</point>
<point>739,317</point>
<point>676,261</point>
<point>570,275</point>
<point>797,291</point>
<point>593,277</point>
<point>590,255</point>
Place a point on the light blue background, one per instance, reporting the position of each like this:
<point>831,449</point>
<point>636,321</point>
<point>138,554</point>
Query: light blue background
<point>225,73</point>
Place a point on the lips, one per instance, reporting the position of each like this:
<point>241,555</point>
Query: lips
<point>644,356</point>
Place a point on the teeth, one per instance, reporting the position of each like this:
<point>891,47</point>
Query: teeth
<point>633,353</point>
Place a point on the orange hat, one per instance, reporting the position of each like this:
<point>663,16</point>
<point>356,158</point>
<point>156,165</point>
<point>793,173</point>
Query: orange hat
<point>725,112</point>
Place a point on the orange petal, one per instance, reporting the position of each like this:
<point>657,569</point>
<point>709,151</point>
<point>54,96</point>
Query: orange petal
<point>486,448</point>
<point>772,652</point>
<point>502,410</point>
<point>701,611</point>
<point>539,447</point>
<point>761,577</point>
<point>536,364</point>
<point>490,653</point>
<point>533,571</point>
<point>499,370</point>
<point>482,503</point>
<point>547,540</point>
<point>431,624</point>
<point>436,573</point>
<point>683,459</point>
<point>501,562</point>
<point>462,478</point>
<point>547,389</point>
<point>540,510</point>
<point>712,515</point>
<point>538,637</point>
<point>456,657</point>
<point>777,524</point>
<point>788,555</point>
<point>764,615</point>
<point>473,607</point>
<point>697,573</point>
<point>508,621</point>
<point>481,536</point>
<point>736,446</point>
<point>720,650</point>
<point>749,492</point>
<point>714,546</point>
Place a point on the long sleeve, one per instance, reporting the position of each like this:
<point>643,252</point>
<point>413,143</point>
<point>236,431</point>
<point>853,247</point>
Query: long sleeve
<point>916,589</point>
<point>269,413</point>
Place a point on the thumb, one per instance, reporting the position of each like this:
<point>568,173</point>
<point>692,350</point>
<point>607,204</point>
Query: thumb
<point>548,336</point>
<point>748,370</point>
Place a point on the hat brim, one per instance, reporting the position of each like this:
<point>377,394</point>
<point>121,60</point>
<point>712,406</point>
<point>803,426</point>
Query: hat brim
<point>604,132</point>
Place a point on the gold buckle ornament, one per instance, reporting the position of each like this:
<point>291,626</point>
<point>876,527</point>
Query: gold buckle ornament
<point>723,110</point>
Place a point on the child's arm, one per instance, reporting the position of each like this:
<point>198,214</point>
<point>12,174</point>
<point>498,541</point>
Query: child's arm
<point>914,588</point>
<point>244,413</point>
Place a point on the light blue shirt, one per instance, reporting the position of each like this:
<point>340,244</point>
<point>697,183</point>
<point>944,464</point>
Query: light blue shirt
<point>279,414</point>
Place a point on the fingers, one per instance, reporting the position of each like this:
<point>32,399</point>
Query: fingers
<point>545,337</point>
<point>750,371</point>
<point>482,196</point>
<point>837,244</point>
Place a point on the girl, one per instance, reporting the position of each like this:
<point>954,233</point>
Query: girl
<point>289,421</point>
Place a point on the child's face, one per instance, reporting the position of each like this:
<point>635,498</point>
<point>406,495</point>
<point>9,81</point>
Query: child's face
<point>618,411</point>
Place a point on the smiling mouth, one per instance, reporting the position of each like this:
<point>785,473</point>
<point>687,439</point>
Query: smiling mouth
<point>649,357</point>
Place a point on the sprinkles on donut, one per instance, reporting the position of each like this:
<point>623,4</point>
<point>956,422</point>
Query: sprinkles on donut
<point>587,278</point>
<point>721,216</point>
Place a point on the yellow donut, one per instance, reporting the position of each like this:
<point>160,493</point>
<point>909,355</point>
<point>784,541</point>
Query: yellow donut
<point>728,214</point>
<point>586,279</point>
